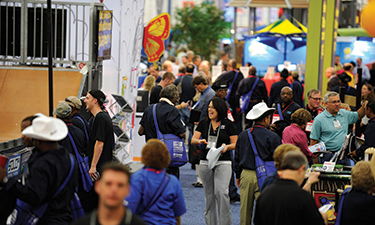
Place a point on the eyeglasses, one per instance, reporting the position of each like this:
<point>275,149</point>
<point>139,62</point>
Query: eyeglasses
<point>335,102</point>
<point>316,99</point>
<point>222,89</point>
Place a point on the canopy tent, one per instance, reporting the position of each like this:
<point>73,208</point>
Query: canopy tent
<point>284,27</point>
<point>284,30</point>
<point>270,46</point>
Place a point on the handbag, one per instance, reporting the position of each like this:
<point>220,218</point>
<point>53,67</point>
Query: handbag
<point>77,209</point>
<point>263,168</point>
<point>26,214</point>
<point>83,166</point>
<point>245,99</point>
<point>194,115</point>
<point>175,145</point>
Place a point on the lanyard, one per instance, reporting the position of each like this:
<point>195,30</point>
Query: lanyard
<point>287,107</point>
<point>200,98</point>
<point>155,170</point>
<point>212,139</point>
<point>257,125</point>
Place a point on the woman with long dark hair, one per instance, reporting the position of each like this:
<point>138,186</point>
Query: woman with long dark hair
<point>367,93</point>
<point>213,132</point>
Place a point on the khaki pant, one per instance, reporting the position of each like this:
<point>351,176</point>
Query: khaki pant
<point>249,190</point>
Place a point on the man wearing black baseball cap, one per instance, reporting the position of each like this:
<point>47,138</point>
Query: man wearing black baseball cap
<point>101,138</point>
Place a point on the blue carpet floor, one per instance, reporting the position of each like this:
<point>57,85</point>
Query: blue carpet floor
<point>194,200</point>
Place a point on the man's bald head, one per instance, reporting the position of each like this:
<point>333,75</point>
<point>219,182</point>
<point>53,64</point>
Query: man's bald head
<point>252,70</point>
<point>204,66</point>
<point>330,71</point>
<point>348,66</point>
<point>168,66</point>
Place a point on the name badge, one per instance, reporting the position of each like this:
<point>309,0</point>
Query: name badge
<point>309,126</point>
<point>229,115</point>
<point>337,124</point>
<point>211,141</point>
<point>275,118</point>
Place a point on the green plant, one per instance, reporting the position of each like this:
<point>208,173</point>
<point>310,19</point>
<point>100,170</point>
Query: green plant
<point>200,27</point>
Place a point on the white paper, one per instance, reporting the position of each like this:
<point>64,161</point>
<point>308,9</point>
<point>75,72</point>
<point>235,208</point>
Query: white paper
<point>213,156</point>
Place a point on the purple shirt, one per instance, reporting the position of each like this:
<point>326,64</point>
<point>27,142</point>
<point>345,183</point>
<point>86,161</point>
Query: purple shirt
<point>293,134</point>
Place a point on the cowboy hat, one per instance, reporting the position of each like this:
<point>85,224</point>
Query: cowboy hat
<point>46,129</point>
<point>258,110</point>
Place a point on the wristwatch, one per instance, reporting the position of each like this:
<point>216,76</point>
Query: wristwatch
<point>5,179</point>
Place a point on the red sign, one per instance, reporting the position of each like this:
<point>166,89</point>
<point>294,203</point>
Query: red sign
<point>81,65</point>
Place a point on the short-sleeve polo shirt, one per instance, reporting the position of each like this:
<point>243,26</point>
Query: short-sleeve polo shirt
<point>323,128</point>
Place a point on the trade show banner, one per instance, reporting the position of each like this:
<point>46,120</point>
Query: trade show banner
<point>105,34</point>
<point>351,48</point>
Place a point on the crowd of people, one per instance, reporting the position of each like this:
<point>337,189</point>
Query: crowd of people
<point>263,141</point>
<point>230,109</point>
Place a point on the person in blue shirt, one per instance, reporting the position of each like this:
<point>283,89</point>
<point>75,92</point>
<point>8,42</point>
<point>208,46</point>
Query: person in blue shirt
<point>331,126</point>
<point>144,201</point>
<point>365,71</point>
<point>200,83</point>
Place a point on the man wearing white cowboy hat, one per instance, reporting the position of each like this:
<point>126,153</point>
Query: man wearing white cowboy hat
<point>47,169</point>
<point>266,142</point>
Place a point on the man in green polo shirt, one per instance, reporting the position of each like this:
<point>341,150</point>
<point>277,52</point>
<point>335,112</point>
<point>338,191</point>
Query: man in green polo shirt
<point>331,126</point>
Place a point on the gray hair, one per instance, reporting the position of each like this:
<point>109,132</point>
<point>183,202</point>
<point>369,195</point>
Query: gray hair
<point>312,91</point>
<point>286,87</point>
<point>293,160</point>
<point>169,92</point>
<point>329,94</point>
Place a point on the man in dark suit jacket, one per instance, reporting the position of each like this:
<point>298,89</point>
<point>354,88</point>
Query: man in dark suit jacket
<point>234,102</point>
<point>259,93</point>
